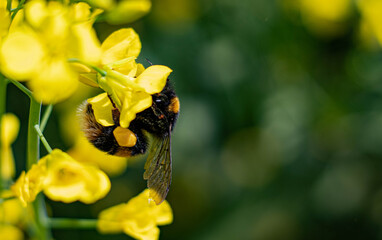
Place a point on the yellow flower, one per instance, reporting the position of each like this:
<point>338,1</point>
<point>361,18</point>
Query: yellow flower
<point>103,4</point>
<point>120,12</point>
<point>118,52</point>
<point>53,32</point>
<point>11,210</point>
<point>128,11</point>
<point>326,17</point>
<point>9,232</point>
<point>62,179</point>
<point>127,83</point>
<point>372,17</point>
<point>5,19</point>
<point>68,180</point>
<point>10,125</point>
<point>138,218</point>
<point>29,185</point>
<point>133,95</point>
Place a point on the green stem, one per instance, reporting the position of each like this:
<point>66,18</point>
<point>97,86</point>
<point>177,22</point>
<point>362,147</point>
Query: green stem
<point>33,154</point>
<point>3,98</point>
<point>45,117</point>
<point>22,88</point>
<point>9,5</point>
<point>42,138</point>
<point>73,223</point>
<point>97,69</point>
<point>33,139</point>
<point>15,11</point>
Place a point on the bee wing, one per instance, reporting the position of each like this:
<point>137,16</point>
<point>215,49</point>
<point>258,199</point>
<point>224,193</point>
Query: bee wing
<point>158,168</point>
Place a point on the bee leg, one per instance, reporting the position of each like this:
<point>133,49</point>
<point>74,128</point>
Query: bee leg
<point>141,145</point>
<point>115,113</point>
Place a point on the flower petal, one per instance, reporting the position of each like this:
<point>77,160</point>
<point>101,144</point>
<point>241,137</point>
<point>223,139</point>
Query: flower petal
<point>5,20</point>
<point>102,108</point>
<point>154,78</point>
<point>68,180</point>
<point>10,232</point>
<point>119,45</point>
<point>163,213</point>
<point>128,11</point>
<point>21,61</point>
<point>10,125</point>
<point>36,12</point>
<point>55,82</point>
<point>87,47</point>
<point>138,218</point>
<point>133,103</point>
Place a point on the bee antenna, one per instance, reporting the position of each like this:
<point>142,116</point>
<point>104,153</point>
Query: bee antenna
<point>149,62</point>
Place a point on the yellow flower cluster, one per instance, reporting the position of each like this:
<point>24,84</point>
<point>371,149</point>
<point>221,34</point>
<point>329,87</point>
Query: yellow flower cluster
<point>62,179</point>
<point>138,218</point>
<point>57,33</point>
<point>51,45</point>
<point>53,33</point>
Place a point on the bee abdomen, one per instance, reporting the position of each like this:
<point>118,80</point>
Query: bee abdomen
<point>103,137</point>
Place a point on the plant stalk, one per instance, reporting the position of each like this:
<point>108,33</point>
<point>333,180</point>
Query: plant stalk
<point>33,155</point>
<point>3,98</point>
<point>61,223</point>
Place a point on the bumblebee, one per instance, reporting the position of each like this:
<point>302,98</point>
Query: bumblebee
<point>157,121</point>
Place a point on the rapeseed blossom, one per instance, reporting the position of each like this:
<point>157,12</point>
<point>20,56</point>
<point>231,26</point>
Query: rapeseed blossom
<point>54,32</point>
<point>128,84</point>
<point>138,218</point>
<point>124,11</point>
<point>11,210</point>
<point>10,125</point>
<point>128,11</point>
<point>62,179</point>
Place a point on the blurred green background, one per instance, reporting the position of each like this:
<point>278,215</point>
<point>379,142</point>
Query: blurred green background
<point>280,130</point>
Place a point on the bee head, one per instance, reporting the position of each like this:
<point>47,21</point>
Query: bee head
<point>167,102</point>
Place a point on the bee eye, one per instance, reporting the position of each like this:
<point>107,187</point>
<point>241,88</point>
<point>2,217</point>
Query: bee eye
<point>158,100</point>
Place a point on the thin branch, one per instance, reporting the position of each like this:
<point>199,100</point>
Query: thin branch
<point>45,117</point>
<point>22,88</point>
<point>42,138</point>
<point>60,223</point>
<point>97,69</point>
